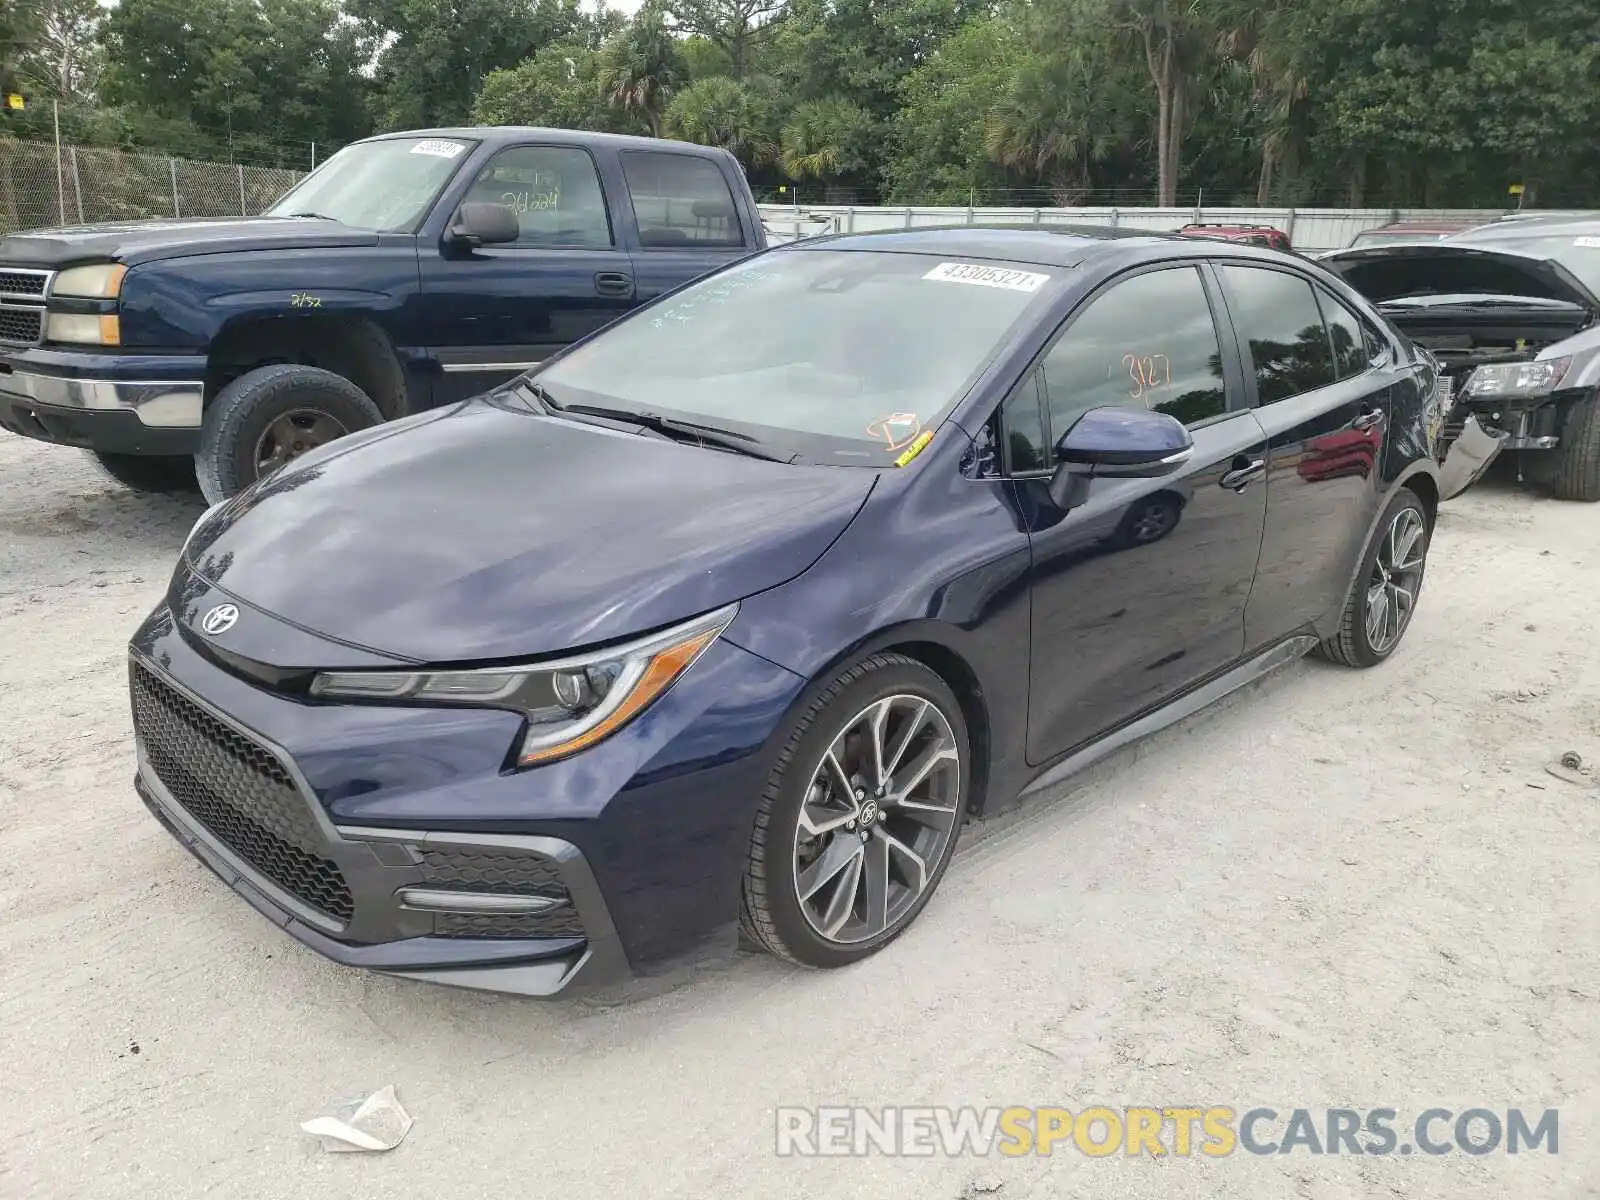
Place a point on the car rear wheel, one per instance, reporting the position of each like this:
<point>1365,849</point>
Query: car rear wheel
<point>860,817</point>
<point>1577,474</point>
<point>268,417</point>
<point>149,472</point>
<point>1384,598</point>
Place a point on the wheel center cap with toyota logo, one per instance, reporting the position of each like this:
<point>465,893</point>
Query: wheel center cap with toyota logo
<point>220,619</point>
<point>869,812</point>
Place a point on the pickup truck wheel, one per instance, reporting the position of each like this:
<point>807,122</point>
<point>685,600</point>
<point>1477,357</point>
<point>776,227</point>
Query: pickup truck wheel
<point>149,472</point>
<point>1577,474</point>
<point>271,416</point>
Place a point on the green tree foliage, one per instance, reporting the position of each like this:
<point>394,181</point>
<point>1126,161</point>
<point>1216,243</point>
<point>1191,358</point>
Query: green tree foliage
<point>721,111</point>
<point>640,68</point>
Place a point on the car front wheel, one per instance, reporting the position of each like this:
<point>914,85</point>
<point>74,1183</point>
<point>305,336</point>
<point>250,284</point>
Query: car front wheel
<point>860,817</point>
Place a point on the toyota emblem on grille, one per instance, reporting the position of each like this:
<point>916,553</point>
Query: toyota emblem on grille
<point>220,619</point>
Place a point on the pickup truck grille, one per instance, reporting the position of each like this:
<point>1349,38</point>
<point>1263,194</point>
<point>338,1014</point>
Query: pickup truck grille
<point>22,293</point>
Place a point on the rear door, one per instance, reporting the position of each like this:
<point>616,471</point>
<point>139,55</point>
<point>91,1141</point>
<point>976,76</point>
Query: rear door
<point>1319,380</point>
<point>1140,592</point>
<point>493,311</point>
<point>686,220</point>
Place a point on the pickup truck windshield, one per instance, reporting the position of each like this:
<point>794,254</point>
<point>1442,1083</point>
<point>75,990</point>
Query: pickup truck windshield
<point>386,186</point>
<point>839,357</point>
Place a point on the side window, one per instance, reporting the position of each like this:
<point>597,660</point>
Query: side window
<point>555,192</point>
<point>1027,447</point>
<point>1148,342</point>
<point>680,200</point>
<point>1277,314</point>
<point>1354,345</point>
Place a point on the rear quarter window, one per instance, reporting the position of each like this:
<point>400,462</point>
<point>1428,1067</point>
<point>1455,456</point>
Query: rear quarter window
<point>680,200</point>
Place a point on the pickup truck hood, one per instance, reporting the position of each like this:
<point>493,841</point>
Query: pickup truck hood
<point>1395,272</point>
<point>134,242</point>
<point>486,534</point>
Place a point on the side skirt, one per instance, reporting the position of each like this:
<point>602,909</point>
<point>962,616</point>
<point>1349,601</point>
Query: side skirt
<point>1177,709</point>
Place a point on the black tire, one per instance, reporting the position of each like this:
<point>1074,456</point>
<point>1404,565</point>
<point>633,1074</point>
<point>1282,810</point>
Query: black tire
<point>1577,473</point>
<point>242,414</point>
<point>162,473</point>
<point>771,914</point>
<point>1354,644</point>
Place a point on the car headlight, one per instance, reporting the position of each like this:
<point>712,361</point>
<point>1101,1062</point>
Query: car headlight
<point>570,703</point>
<point>87,329</point>
<point>1513,381</point>
<point>100,281</point>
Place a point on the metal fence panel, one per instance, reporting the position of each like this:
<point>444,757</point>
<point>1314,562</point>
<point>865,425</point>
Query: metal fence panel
<point>1311,230</point>
<point>38,188</point>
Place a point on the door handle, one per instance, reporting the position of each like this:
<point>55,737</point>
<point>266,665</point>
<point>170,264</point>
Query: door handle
<point>1369,418</point>
<point>613,283</point>
<point>1242,476</point>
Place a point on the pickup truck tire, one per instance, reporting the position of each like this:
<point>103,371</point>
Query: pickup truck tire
<point>149,472</point>
<point>1577,474</point>
<point>241,440</point>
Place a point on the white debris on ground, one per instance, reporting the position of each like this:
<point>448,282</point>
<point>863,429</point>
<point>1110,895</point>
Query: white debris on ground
<point>1337,888</point>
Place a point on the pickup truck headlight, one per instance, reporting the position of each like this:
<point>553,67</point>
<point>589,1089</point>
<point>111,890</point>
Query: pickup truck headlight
<point>570,704</point>
<point>1516,381</point>
<point>100,281</point>
<point>84,329</point>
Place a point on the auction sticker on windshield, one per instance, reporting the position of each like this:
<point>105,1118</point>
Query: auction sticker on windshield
<point>998,277</point>
<point>437,148</point>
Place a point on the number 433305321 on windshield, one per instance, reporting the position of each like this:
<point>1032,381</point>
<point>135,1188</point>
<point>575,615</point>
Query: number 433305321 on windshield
<point>1149,371</point>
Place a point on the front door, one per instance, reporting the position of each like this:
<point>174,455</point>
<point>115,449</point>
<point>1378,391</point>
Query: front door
<point>1320,381</point>
<point>1141,591</point>
<point>493,311</point>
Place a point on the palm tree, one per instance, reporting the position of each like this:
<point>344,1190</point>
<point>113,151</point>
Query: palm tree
<point>719,111</point>
<point>825,139</point>
<point>640,68</point>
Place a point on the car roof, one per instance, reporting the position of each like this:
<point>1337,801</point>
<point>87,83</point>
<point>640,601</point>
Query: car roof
<point>1531,227</point>
<point>1040,245</point>
<point>554,137</point>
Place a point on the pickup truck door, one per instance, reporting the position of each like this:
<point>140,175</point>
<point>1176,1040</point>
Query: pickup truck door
<point>686,221</point>
<point>491,312</point>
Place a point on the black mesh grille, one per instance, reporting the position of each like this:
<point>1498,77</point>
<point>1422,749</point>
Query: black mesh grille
<point>20,324</point>
<point>559,922</point>
<point>492,871</point>
<point>21,283</point>
<point>239,791</point>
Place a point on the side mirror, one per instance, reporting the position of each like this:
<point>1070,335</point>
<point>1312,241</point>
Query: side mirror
<point>479,223</point>
<point>1116,443</point>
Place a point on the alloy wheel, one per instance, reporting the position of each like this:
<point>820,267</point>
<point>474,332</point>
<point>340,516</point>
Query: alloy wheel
<point>1396,576</point>
<point>293,434</point>
<point>878,815</point>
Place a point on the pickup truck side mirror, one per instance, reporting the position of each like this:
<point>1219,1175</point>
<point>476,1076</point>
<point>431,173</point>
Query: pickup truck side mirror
<point>1116,442</point>
<point>481,223</point>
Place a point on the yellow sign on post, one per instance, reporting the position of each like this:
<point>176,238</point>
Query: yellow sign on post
<point>1515,189</point>
<point>14,100</point>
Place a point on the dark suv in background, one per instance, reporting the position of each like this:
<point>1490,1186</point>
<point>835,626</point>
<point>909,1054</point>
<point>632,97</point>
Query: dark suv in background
<point>407,271</point>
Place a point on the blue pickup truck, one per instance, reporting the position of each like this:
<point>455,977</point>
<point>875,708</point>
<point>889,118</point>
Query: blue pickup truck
<point>407,271</point>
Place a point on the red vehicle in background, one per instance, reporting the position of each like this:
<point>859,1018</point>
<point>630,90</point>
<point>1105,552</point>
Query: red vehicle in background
<point>1254,235</point>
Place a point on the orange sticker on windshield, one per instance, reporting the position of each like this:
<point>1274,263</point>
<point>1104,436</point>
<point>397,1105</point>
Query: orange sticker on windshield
<point>895,430</point>
<point>916,448</point>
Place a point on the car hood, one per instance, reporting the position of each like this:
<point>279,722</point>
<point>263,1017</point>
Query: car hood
<point>1383,273</point>
<point>487,534</point>
<point>134,242</point>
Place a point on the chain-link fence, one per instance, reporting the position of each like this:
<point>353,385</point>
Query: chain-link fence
<point>38,187</point>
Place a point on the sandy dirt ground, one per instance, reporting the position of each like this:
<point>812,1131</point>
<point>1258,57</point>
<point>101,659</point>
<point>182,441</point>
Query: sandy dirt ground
<point>1337,888</point>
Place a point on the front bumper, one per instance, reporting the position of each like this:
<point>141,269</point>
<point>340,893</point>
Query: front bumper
<point>392,839</point>
<point>120,404</point>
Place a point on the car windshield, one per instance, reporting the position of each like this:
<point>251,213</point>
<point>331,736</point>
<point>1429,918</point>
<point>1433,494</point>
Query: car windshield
<point>834,356</point>
<point>1579,253</point>
<point>386,186</point>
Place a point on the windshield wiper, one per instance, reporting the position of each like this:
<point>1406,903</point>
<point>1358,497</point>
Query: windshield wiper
<point>316,216</point>
<point>679,430</point>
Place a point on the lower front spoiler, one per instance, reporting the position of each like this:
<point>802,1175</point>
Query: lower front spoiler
<point>538,967</point>
<point>1468,457</point>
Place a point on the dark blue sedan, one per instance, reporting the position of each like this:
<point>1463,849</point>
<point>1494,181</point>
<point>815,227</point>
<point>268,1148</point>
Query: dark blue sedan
<point>733,613</point>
